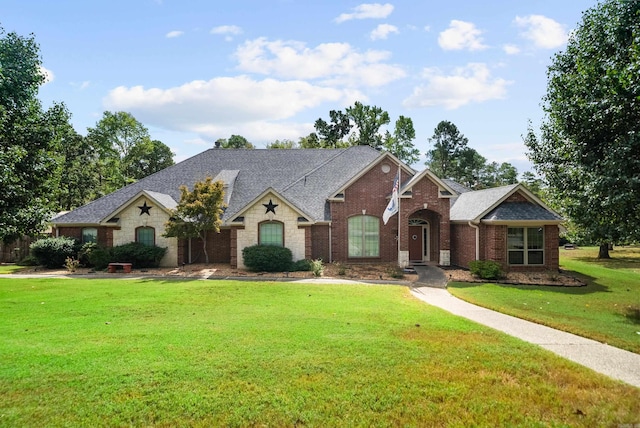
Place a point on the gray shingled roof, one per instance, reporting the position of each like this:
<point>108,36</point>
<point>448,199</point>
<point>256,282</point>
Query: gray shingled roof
<point>471,205</point>
<point>306,177</point>
<point>514,211</point>
<point>459,188</point>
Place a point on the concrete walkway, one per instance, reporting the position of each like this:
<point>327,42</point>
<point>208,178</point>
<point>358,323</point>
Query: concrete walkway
<point>613,362</point>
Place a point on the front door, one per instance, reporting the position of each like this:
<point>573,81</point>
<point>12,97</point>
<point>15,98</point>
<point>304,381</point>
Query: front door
<point>418,240</point>
<point>416,243</point>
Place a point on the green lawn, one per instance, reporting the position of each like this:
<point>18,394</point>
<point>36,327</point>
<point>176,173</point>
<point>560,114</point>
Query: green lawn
<point>607,309</point>
<point>9,268</point>
<point>81,352</point>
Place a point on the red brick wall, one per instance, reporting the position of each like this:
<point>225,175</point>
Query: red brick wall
<point>105,234</point>
<point>319,242</point>
<point>370,194</point>
<point>463,245</point>
<point>217,247</point>
<point>426,191</point>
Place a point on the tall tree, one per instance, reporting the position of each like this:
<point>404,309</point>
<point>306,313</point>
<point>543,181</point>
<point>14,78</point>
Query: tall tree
<point>198,213</point>
<point>76,179</point>
<point>448,144</point>
<point>368,121</point>
<point>114,138</point>
<point>27,138</point>
<point>148,157</point>
<point>400,143</point>
<point>331,134</point>
<point>589,148</point>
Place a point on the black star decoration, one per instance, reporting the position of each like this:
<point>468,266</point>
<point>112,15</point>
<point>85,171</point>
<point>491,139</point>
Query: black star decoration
<point>270,207</point>
<point>144,209</point>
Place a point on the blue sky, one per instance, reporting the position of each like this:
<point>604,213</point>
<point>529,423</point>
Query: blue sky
<point>196,71</point>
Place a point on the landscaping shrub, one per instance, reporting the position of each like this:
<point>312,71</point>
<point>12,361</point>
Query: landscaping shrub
<point>139,255</point>
<point>317,267</point>
<point>99,258</point>
<point>486,269</point>
<point>84,252</point>
<point>267,258</point>
<point>303,265</point>
<point>28,261</point>
<point>52,252</point>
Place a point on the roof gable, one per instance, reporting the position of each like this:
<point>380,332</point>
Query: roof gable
<point>476,205</point>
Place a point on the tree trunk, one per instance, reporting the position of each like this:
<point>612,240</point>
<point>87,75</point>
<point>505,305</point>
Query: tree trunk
<point>204,247</point>
<point>603,253</point>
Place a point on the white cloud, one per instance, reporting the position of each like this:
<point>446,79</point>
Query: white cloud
<point>223,104</point>
<point>367,11</point>
<point>461,35</point>
<point>542,31</point>
<point>511,49</point>
<point>48,75</point>
<point>172,34</point>
<point>470,84</point>
<point>227,30</point>
<point>330,63</point>
<point>382,31</point>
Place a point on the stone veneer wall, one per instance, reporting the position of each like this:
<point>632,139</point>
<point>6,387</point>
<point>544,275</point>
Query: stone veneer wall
<point>294,236</point>
<point>130,219</point>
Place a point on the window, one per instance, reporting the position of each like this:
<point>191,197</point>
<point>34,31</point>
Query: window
<point>525,245</point>
<point>364,236</point>
<point>272,233</point>
<point>146,236</point>
<point>89,234</point>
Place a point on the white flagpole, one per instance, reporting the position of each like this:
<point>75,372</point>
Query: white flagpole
<point>399,210</point>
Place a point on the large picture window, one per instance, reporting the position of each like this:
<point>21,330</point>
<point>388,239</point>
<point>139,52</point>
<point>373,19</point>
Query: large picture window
<point>272,233</point>
<point>146,236</point>
<point>89,234</point>
<point>364,236</point>
<point>525,245</point>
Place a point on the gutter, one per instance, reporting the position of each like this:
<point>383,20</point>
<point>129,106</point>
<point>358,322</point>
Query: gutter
<point>475,226</point>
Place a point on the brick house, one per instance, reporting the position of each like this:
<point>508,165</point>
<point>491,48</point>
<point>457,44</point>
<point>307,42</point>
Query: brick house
<point>328,204</point>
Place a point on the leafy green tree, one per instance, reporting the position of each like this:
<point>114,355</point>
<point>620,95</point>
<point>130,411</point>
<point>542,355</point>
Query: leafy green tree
<point>234,142</point>
<point>331,134</point>
<point>148,157</point>
<point>76,180</point>
<point>588,150</point>
<point>311,141</point>
<point>114,138</point>
<point>400,144</point>
<point>448,144</point>
<point>469,168</point>
<point>27,138</point>
<point>534,184</point>
<point>368,121</point>
<point>283,144</point>
<point>494,174</point>
<point>198,213</point>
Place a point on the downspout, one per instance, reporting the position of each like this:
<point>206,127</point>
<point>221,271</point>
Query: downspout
<point>475,226</point>
<point>330,245</point>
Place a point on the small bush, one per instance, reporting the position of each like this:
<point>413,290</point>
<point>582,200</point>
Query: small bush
<point>486,269</point>
<point>303,265</point>
<point>342,269</point>
<point>267,258</point>
<point>99,258</point>
<point>71,264</point>
<point>139,255</point>
<point>52,252</point>
<point>84,252</point>
<point>317,267</point>
<point>395,272</point>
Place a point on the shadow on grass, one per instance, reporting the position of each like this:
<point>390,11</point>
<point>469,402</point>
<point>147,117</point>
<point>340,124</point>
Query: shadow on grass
<point>592,285</point>
<point>612,263</point>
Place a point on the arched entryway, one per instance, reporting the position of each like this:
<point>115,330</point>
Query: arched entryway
<point>419,242</point>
